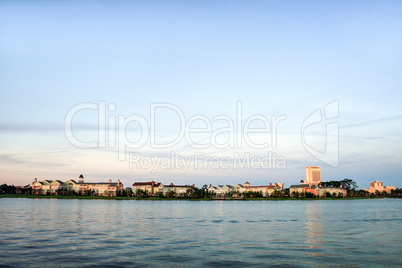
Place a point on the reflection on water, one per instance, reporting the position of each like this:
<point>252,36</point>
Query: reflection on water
<point>67,233</point>
<point>314,226</point>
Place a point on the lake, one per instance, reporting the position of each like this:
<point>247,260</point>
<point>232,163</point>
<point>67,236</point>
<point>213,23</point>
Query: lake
<point>86,233</point>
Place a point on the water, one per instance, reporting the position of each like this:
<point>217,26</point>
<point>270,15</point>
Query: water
<point>70,233</point>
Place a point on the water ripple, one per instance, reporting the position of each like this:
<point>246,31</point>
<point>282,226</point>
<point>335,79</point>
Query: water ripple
<point>89,233</point>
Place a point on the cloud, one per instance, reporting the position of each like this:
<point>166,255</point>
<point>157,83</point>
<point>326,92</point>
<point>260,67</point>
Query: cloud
<point>11,159</point>
<point>375,122</point>
<point>5,127</point>
<point>29,127</point>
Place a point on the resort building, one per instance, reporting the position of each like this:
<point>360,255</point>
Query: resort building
<point>266,190</point>
<point>155,188</point>
<point>313,186</point>
<point>333,191</point>
<point>71,186</point>
<point>175,190</point>
<point>37,187</point>
<point>303,189</point>
<point>100,188</point>
<point>313,175</point>
<point>27,189</point>
<point>151,187</point>
<point>53,187</point>
<point>220,190</point>
<point>379,186</point>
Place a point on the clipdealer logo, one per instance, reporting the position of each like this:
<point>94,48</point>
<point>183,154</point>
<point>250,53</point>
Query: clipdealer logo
<point>330,154</point>
<point>257,133</point>
<point>109,125</point>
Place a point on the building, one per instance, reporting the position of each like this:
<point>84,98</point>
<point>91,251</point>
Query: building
<point>150,187</point>
<point>157,188</point>
<point>56,187</point>
<point>265,190</point>
<point>379,186</point>
<point>303,189</point>
<point>71,186</point>
<point>174,190</point>
<point>313,175</point>
<point>221,190</point>
<point>37,187</point>
<point>27,189</point>
<point>99,188</point>
<point>332,191</point>
<point>313,185</point>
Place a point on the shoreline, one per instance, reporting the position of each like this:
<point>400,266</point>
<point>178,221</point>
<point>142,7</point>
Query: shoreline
<point>185,199</point>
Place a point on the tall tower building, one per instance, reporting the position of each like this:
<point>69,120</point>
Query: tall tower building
<point>313,175</point>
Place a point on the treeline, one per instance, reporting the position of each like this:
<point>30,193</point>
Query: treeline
<point>192,193</point>
<point>347,184</point>
<point>7,189</point>
<point>11,189</point>
<point>198,193</point>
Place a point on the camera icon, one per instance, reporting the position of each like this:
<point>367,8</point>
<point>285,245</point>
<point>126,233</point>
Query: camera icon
<point>330,155</point>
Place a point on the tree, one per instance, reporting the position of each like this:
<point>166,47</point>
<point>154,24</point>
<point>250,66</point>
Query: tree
<point>348,184</point>
<point>128,191</point>
<point>193,192</point>
<point>170,193</point>
<point>352,192</point>
<point>286,192</point>
<point>7,189</point>
<point>141,193</point>
<point>204,191</point>
<point>276,194</point>
<point>310,195</point>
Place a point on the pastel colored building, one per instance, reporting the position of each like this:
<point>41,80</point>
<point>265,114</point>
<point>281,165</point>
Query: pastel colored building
<point>100,188</point>
<point>323,191</point>
<point>379,186</point>
<point>302,189</point>
<point>151,187</point>
<point>313,175</point>
<point>313,185</point>
<point>265,190</point>
<point>71,187</point>
<point>37,187</point>
<point>156,188</point>
<point>221,190</point>
<point>317,190</point>
<point>46,186</point>
<point>177,190</point>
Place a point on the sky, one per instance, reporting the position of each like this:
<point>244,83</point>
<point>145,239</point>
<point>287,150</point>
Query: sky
<point>200,92</point>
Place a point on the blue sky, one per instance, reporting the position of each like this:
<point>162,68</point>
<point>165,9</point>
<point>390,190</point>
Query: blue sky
<point>204,57</point>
